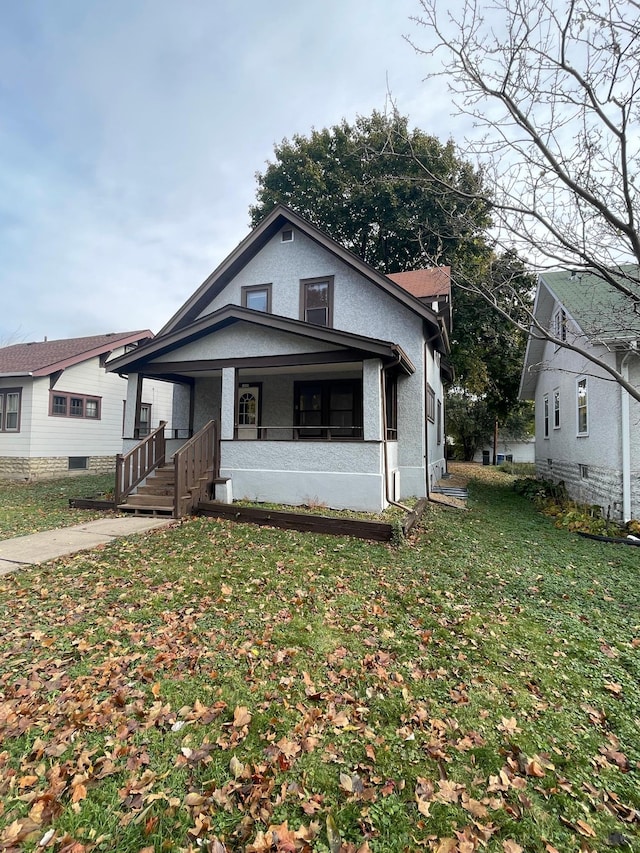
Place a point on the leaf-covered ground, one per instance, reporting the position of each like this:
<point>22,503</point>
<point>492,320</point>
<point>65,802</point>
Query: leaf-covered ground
<point>226,687</point>
<point>31,507</point>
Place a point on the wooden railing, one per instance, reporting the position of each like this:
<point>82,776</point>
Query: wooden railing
<point>196,465</point>
<point>139,462</point>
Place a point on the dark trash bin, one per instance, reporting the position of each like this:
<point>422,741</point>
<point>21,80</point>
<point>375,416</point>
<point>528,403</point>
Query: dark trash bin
<point>485,457</point>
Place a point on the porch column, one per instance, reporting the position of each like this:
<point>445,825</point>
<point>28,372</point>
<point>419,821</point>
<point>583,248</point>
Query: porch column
<point>132,406</point>
<point>228,403</point>
<point>372,399</point>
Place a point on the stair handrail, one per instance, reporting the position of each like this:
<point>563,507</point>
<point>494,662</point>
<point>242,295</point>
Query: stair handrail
<point>196,465</point>
<point>132,467</point>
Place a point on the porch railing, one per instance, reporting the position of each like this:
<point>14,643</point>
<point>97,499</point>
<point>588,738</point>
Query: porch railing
<point>196,465</point>
<point>139,462</point>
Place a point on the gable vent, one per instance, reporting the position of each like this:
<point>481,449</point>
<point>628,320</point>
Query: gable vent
<point>287,235</point>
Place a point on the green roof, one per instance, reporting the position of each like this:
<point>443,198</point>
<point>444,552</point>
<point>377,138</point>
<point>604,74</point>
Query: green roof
<point>602,312</point>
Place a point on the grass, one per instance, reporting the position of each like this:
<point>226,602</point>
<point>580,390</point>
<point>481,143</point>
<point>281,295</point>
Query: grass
<point>32,507</point>
<point>217,686</point>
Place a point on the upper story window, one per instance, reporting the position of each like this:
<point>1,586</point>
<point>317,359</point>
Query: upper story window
<point>286,235</point>
<point>257,297</point>
<point>316,301</point>
<point>10,405</point>
<point>560,324</point>
<point>65,405</point>
<point>582,408</point>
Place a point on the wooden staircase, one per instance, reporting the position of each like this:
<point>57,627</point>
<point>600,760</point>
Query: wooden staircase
<point>156,496</point>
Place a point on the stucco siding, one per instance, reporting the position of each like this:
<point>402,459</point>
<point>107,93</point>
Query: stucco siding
<point>335,474</point>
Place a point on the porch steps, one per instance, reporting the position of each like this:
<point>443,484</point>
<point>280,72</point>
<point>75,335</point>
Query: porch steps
<point>155,497</point>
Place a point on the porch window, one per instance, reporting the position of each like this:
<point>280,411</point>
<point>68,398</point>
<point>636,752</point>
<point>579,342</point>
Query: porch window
<point>316,301</point>
<point>391,406</point>
<point>257,297</point>
<point>10,405</point>
<point>64,405</point>
<point>328,409</point>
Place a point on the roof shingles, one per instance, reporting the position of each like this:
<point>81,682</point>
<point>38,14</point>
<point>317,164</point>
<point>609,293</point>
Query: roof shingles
<point>43,357</point>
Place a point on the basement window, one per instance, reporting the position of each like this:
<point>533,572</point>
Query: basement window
<point>584,472</point>
<point>78,463</point>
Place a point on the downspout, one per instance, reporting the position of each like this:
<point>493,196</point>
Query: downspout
<point>385,456</point>
<point>626,441</point>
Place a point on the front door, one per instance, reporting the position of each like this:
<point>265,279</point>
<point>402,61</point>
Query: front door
<point>248,408</point>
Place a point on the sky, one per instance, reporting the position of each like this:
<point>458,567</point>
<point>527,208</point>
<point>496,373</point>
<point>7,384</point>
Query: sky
<point>131,132</point>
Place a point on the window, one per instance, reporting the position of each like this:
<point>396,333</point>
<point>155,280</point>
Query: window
<point>583,422</point>
<point>10,406</point>
<point>546,415</point>
<point>328,408</point>
<point>66,405</point>
<point>556,409</point>
<point>431,404</point>
<point>584,472</point>
<point>257,297</point>
<point>316,301</point>
<point>439,423</point>
<point>287,235</point>
<point>78,463</point>
<point>391,405</point>
<point>560,324</point>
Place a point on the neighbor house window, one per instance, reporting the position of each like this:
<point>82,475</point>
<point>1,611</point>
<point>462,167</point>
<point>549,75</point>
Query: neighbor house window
<point>546,415</point>
<point>257,297</point>
<point>316,301</point>
<point>78,463</point>
<point>431,404</point>
<point>556,409</point>
<point>584,472</point>
<point>583,423</point>
<point>439,422</point>
<point>10,405</point>
<point>328,408</point>
<point>560,324</point>
<point>66,405</point>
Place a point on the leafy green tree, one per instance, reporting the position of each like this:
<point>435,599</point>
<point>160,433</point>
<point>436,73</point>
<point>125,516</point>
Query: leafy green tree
<point>371,185</point>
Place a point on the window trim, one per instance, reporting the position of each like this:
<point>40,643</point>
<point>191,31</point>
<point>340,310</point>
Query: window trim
<point>247,289</point>
<point>582,380</point>
<point>69,396</point>
<point>4,409</point>
<point>304,282</point>
<point>556,409</point>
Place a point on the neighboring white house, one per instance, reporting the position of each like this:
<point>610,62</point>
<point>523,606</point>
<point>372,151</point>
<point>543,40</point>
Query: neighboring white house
<point>61,412</point>
<point>326,377</point>
<point>587,425</point>
<point>508,450</point>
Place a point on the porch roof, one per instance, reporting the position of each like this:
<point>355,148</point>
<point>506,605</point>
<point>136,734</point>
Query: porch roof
<point>148,359</point>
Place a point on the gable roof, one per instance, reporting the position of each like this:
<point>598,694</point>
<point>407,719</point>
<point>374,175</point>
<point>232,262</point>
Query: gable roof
<point>425,283</point>
<point>603,314</point>
<point>138,360</point>
<point>42,358</point>
<point>272,223</point>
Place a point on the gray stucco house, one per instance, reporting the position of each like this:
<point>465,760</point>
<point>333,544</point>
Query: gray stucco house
<point>324,377</point>
<point>587,425</point>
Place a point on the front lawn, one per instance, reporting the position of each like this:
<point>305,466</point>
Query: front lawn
<point>218,687</point>
<point>32,507</point>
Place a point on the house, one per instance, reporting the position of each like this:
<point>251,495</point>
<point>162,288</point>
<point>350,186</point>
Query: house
<point>324,376</point>
<point>62,413</point>
<point>587,425</point>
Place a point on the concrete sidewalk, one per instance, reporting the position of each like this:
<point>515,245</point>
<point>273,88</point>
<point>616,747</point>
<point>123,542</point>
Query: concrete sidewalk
<point>50,544</point>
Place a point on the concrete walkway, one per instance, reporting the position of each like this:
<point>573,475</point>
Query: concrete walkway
<point>50,544</point>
